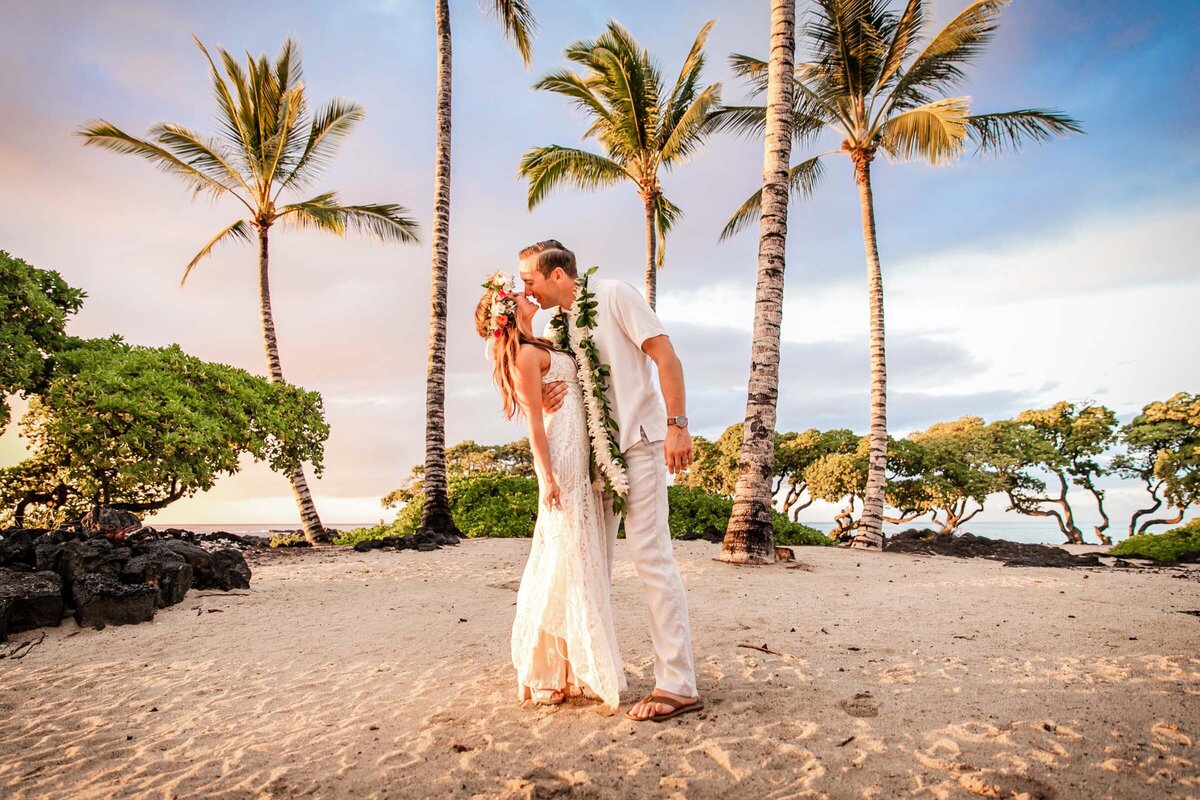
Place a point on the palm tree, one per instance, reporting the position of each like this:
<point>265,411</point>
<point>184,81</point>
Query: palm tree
<point>519,26</point>
<point>640,127</point>
<point>749,537</point>
<point>872,83</point>
<point>268,143</point>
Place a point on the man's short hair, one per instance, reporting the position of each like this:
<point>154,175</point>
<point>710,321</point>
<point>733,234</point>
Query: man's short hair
<point>551,255</point>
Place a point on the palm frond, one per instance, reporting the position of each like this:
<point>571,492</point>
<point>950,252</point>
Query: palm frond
<point>387,222</point>
<point>571,85</point>
<point>683,93</point>
<point>690,129</point>
<point>938,67</point>
<point>903,43</point>
<point>629,94</point>
<point>666,214</point>
<point>248,126</point>
<point>848,39</point>
<point>205,154</point>
<point>547,167</point>
<point>516,18</point>
<point>934,132</point>
<point>752,70</point>
<point>752,121</point>
<point>100,133</point>
<point>1008,131</point>
<point>803,179</point>
<point>384,221</point>
<point>330,126</point>
<point>231,120</point>
<point>241,229</point>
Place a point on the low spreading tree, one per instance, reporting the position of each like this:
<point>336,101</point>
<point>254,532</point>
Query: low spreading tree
<point>1162,450</point>
<point>1065,442</point>
<point>139,428</point>
<point>945,471</point>
<point>34,306</point>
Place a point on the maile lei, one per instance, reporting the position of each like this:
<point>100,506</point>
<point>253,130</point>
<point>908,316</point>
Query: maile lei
<point>573,333</point>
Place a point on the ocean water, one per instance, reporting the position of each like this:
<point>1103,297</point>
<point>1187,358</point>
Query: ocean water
<point>1024,531</point>
<point>1027,531</point>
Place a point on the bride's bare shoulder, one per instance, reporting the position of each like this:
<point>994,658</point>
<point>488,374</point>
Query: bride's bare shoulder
<point>531,354</point>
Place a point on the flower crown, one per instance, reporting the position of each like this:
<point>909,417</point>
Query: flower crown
<point>503,312</point>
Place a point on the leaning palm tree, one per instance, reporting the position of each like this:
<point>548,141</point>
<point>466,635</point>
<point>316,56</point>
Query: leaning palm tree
<point>875,87</point>
<point>268,143</point>
<point>749,537</point>
<point>640,127</point>
<point>519,26</point>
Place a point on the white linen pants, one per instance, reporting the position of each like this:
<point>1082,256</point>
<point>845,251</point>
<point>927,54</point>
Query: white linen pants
<point>649,540</point>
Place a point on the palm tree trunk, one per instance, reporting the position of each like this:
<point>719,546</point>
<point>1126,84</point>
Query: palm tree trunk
<point>870,529</point>
<point>651,252</point>
<point>435,516</point>
<point>750,537</point>
<point>314,531</point>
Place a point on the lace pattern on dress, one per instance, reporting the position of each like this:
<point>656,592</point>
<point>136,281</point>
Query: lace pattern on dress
<point>563,624</point>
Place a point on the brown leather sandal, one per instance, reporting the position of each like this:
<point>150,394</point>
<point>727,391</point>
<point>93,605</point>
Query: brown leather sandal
<point>678,707</point>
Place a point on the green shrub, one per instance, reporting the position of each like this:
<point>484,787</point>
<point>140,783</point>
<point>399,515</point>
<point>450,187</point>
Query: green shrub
<point>497,506</point>
<point>502,506</point>
<point>352,537</point>
<point>788,533</point>
<point>1167,547</point>
<point>287,540</point>
<point>695,509</point>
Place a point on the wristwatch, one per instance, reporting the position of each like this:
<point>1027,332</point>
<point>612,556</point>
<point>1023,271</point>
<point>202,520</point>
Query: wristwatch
<point>681,421</point>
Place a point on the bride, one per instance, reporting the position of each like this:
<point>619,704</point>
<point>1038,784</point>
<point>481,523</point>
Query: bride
<point>563,639</point>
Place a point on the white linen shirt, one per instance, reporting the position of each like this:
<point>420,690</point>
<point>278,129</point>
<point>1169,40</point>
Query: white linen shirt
<point>624,320</point>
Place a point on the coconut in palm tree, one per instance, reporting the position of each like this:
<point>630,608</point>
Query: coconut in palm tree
<point>268,144</point>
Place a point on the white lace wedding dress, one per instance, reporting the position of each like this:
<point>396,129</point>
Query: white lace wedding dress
<point>563,636</point>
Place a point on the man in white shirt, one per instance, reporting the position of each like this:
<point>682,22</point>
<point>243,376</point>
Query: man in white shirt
<point>653,440</point>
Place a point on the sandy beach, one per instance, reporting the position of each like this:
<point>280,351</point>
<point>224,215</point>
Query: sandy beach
<point>387,675</point>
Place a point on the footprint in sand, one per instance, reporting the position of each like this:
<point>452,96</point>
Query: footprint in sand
<point>861,705</point>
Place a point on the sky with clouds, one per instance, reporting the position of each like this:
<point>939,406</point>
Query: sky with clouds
<point>1065,273</point>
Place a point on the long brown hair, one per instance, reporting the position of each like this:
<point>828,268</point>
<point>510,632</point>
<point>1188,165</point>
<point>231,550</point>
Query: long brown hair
<point>504,349</point>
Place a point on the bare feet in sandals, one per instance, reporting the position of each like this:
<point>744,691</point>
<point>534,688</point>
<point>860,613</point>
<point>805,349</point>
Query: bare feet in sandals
<point>547,697</point>
<point>660,705</point>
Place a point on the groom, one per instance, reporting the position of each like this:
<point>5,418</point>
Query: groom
<point>628,337</point>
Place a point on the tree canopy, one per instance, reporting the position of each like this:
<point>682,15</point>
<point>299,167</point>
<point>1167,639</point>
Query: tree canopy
<point>141,427</point>
<point>34,306</point>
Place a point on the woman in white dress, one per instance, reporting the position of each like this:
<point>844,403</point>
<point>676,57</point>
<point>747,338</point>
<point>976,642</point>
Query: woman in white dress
<point>563,639</point>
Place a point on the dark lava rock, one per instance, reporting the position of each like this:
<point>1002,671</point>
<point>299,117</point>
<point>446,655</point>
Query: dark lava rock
<point>229,571</point>
<point>425,547</point>
<point>103,600</point>
<point>199,559</point>
<point>165,572</point>
<point>29,600</point>
<point>47,553</point>
<point>16,547</point>
<point>97,556</point>
<point>709,534</point>
<point>106,519</point>
<point>366,545</point>
<point>968,545</point>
